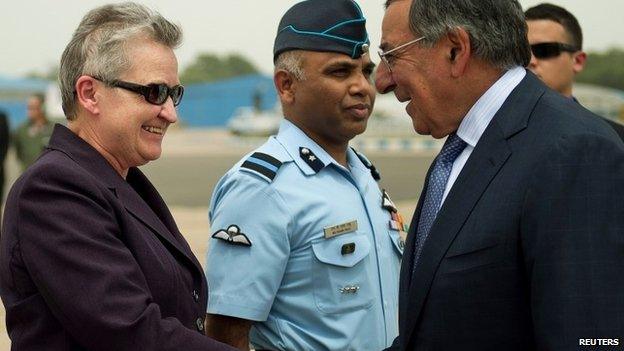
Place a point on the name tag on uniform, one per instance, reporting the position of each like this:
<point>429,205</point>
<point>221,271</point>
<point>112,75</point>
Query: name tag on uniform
<point>340,229</point>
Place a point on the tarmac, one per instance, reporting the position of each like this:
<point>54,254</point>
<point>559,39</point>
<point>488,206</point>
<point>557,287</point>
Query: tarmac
<point>194,160</point>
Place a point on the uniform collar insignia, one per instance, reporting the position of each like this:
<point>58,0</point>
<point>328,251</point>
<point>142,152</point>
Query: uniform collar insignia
<point>368,164</point>
<point>311,159</point>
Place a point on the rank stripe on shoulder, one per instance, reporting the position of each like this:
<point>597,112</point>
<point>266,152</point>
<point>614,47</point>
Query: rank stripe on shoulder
<point>262,164</point>
<point>262,170</point>
<point>267,158</point>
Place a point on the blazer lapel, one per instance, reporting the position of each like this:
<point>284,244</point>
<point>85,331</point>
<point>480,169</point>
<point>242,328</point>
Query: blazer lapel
<point>489,155</point>
<point>131,197</point>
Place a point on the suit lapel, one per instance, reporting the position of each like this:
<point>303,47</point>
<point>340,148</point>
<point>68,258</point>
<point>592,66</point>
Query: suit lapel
<point>486,160</point>
<point>484,163</point>
<point>135,196</point>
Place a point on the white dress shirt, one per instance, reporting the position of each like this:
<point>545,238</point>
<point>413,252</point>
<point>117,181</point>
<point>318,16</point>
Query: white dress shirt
<point>479,117</point>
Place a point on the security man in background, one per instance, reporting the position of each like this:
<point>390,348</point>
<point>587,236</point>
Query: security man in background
<point>557,49</point>
<point>32,136</point>
<point>306,248</point>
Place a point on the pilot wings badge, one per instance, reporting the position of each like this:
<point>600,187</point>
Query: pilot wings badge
<point>232,235</point>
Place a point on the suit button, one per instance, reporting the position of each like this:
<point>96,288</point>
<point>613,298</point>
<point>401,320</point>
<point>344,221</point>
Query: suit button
<point>195,295</point>
<point>200,324</point>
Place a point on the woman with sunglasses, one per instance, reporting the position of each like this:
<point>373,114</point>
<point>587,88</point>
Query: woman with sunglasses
<point>91,258</point>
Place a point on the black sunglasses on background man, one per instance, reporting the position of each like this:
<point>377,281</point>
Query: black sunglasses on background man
<point>549,50</point>
<point>155,93</point>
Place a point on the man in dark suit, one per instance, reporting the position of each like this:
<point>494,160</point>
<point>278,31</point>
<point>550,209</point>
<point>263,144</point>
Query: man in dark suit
<point>90,256</point>
<point>517,242</point>
<point>556,41</point>
<point>4,145</point>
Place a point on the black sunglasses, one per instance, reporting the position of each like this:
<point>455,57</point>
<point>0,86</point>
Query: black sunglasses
<point>549,50</point>
<point>153,93</point>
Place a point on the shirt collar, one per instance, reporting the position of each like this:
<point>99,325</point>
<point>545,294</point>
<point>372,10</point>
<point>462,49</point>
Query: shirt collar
<point>292,139</point>
<point>354,161</point>
<point>480,115</point>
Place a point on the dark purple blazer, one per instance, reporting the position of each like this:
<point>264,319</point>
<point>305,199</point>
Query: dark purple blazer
<point>90,261</point>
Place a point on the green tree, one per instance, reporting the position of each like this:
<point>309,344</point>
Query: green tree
<point>209,67</point>
<point>604,68</point>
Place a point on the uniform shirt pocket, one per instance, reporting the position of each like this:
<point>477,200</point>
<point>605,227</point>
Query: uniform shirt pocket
<point>341,273</point>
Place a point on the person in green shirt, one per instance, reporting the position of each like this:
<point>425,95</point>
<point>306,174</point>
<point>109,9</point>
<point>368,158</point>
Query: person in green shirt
<point>32,136</point>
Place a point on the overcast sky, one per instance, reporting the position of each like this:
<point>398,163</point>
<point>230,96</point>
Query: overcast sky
<point>33,33</point>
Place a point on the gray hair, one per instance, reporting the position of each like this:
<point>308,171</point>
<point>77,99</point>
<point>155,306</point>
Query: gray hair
<point>291,61</point>
<point>497,29</point>
<point>98,46</point>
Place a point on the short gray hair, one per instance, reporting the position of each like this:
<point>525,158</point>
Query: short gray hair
<point>497,29</point>
<point>291,61</point>
<point>98,46</point>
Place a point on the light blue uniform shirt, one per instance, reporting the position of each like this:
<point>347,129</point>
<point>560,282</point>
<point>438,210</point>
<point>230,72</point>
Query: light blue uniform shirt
<point>305,291</point>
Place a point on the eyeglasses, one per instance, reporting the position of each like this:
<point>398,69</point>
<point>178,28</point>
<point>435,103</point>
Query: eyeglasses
<point>153,93</point>
<point>550,50</point>
<point>389,60</point>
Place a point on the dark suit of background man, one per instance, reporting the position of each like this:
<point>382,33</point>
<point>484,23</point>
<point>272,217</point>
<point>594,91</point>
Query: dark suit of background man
<point>517,241</point>
<point>557,56</point>
<point>4,145</point>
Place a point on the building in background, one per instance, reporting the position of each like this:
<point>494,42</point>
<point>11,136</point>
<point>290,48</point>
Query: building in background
<point>214,104</point>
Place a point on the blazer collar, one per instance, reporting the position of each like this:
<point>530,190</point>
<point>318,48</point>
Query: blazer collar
<point>135,193</point>
<point>76,148</point>
<point>489,155</point>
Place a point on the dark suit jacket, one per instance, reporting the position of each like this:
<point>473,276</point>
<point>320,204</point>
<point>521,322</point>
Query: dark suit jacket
<point>4,145</point>
<point>527,251</point>
<point>619,129</point>
<point>90,261</point>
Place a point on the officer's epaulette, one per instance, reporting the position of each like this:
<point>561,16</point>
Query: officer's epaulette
<point>263,165</point>
<point>369,165</point>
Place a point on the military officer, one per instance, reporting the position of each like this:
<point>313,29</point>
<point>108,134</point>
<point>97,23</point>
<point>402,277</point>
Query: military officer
<point>306,248</point>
